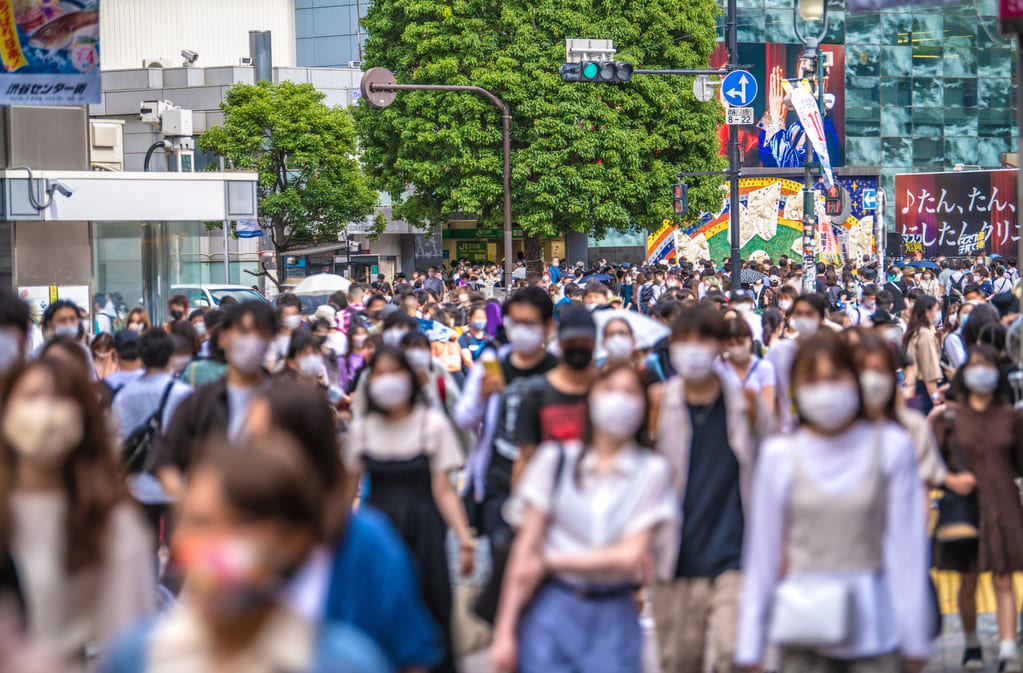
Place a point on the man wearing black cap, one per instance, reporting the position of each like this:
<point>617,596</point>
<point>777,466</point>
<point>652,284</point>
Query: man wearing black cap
<point>130,367</point>
<point>556,408</point>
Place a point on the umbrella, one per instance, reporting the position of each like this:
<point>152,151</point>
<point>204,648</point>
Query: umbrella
<point>599,277</point>
<point>923,264</point>
<point>645,329</point>
<point>749,276</point>
<point>436,331</point>
<point>322,283</point>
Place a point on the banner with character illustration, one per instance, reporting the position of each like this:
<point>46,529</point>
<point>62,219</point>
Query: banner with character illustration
<point>50,52</point>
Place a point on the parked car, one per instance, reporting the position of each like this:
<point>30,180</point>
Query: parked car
<point>211,295</point>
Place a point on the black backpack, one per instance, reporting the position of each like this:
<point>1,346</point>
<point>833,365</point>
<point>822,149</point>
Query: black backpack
<point>136,446</point>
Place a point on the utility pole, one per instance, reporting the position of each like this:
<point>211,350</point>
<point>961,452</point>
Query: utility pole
<point>734,167</point>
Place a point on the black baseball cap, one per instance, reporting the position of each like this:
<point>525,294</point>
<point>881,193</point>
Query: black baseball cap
<point>576,322</point>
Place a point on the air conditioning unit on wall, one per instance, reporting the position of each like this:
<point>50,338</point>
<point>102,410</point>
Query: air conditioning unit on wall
<point>106,144</point>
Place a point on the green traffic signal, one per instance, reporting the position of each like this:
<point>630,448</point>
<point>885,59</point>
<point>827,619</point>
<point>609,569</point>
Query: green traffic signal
<point>590,70</point>
<point>600,72</point>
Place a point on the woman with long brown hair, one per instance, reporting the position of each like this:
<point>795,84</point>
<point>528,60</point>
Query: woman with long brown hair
<point>82,551</point>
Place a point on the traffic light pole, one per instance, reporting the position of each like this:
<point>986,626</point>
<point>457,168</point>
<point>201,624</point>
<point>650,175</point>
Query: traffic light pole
<point>379,89</point>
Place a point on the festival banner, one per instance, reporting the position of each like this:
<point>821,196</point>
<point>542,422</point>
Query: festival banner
<point>660,245</point>
<point>957,214</point>
<point>49,50</point>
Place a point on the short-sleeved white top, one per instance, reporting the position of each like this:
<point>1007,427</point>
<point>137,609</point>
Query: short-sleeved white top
<point>761,373</point>
<point>589,510</point>
<point>425,431</point>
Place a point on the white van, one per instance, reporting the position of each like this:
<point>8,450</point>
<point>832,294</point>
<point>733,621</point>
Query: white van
<point>210,295</point>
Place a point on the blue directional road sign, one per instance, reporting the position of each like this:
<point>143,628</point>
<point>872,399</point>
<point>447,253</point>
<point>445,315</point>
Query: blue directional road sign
<point>739,88</point>
<point>869,199</point>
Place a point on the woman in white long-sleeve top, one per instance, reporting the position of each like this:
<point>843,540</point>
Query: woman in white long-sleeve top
<point>835,560</point>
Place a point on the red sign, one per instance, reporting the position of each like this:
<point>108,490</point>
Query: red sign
<point>1010,9</point>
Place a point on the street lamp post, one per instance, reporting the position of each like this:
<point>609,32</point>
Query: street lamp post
<point>379,89</point>
<point>810,10</point>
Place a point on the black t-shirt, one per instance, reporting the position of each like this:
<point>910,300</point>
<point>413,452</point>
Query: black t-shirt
<point>550,415</point>
<point>712,524</point>
<point>511,372</point>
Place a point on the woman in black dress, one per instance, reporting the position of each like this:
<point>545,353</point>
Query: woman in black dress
<point>408,450</point>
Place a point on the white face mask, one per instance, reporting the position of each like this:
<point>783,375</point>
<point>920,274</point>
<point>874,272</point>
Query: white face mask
<point>981,379</point>
<point>393,336</point>
<point>617,414</point>
<point>693,361</point>
<point>311,366</point>
<point>291,322</point>
<point>390,391</point>
<point>525,339</point>
<point>828,406</point>
<point>67,331</point>
<point>419,359</point>
<point>359,341</point>
<point>739,354</point>
<point>43,430</point>
<point>618,347</point>
<point>246,353</point>
<point>877,388</point>
<point>200,328</point>
<point>806,327</point>
<point>785,305</point>
<point>744,309</point>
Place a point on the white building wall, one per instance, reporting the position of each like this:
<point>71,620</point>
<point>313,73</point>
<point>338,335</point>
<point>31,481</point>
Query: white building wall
<point>133,31</point>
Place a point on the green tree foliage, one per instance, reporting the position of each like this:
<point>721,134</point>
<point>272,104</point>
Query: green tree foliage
<point>585,157</point>
<point>311,185</point>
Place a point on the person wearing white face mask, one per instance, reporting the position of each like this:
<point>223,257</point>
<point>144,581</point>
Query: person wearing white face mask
<point>738,363</point>
<point>921,344</point>
<point>528,316</point>
<point>836,530</point>
<point>706,428</point>
<point>218,407</point>
<point>289,310</point>
<point>807,318</point>
<point>743,302</point>
<point>305,361</point>
<point>980,433</point>
<point>618,343</point>
<point>82,551</point>
<point>619,494</point>
<point>409,448</point>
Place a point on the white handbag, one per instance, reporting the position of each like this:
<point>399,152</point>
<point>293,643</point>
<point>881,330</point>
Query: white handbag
<point>812,612</point>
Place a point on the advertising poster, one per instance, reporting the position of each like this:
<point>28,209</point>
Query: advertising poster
<point>776,139</point>
<point>957,214</point>
<point>50,52</point>
<point>770,222</point>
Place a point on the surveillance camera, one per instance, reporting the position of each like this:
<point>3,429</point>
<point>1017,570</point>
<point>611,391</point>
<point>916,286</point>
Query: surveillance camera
<point>189,55</point>
<point>59,186</point>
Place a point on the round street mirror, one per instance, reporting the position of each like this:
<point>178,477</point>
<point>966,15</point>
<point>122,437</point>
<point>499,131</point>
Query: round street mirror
<point>373,78</point>
<point>703,88</point>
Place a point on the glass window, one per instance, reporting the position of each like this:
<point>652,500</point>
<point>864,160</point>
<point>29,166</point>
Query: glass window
<point>861,29</point>
<point>995,92</point>
<point>960,151</point>
<point>862,151</point>
<point>896,61</point>
<point>897,151</point>
<point>896,92</point>
<point>240,295</point>
<point>960,122</point>
<point>117,260</point>
<point>960,62</point>
<point>895,122</point>
<point>928,152</point>
<point>863,121</point>
<point>896,28</point>
<point>927,61</point>
<point>861,61</point>
<point>862,92</point>
<point>927,92</point>
<point>927,121</point>
<point>960,31</point>
<point>960,92</point>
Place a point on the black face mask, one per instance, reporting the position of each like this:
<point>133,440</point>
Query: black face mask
<point>177,315</point>
<point>578,357</point>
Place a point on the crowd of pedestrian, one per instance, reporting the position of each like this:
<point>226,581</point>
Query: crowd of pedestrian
<point>267,487</point>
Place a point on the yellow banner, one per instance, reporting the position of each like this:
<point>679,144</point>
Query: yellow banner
<point>10,45</point>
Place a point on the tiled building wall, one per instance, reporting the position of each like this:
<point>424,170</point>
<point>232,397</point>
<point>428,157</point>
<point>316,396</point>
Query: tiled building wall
<point>927,86</point>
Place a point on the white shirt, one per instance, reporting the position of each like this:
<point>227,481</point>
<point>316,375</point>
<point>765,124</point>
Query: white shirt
<point>759,375</point>
<point>237,405</point>
<point>588,510</point>
<point>782,355</point>
<point>1003,284</point>
<point>893,609</point>
<point>426,431</point>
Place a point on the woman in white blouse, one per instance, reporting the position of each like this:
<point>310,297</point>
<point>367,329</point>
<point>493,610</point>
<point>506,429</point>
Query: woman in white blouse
<point>739,364</point>
<point>587,513</point>
<point>85,560</point>
<point>836,508</point>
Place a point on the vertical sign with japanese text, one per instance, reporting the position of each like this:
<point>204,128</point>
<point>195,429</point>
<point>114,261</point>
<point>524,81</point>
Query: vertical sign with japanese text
<point>49,50</point>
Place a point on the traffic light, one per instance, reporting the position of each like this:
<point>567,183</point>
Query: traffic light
<point>833,200</point>
<point>569,72</point>
<point>598,72</point>
<point>680,198</point>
